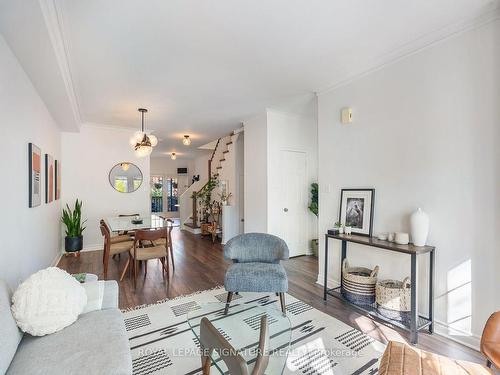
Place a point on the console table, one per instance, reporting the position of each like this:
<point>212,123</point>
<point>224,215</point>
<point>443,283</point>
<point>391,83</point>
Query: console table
<point>416,322</point>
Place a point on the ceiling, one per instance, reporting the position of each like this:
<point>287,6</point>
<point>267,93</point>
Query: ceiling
<point>201,67</point>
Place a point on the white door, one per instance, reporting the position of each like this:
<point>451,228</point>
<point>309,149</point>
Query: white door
<point>294,196</point>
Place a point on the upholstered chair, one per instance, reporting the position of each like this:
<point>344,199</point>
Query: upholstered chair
<point>256,265</point>
<point>490,340</point>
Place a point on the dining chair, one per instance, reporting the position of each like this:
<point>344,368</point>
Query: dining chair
<point>113,246</point>
<point>212,340</point>
<point>130,233</point>
<point>168,240</point>
<point>158,251</point>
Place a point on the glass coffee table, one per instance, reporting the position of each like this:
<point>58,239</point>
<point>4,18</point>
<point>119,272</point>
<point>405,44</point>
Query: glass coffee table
<point>241,327</point>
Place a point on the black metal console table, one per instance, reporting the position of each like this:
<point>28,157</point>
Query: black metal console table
<point>416,322</point>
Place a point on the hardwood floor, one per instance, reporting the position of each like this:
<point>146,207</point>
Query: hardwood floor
<point>200,265</point>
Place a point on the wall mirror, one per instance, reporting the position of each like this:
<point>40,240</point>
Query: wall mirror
<point>125,177</point>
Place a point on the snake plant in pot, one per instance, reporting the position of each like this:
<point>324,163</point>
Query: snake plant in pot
<point>72,219</point>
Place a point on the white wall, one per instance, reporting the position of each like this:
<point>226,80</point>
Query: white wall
<point>165,166</point>
<point>266,136</point>
<point>298,133</point>
<point>255,180</point>
<point>425,134</point>
<point>88,156</point>
<point>30,236</point>
<point>201,164</point>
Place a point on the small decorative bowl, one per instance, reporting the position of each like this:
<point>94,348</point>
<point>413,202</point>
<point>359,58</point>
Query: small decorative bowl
<point>383,236</point>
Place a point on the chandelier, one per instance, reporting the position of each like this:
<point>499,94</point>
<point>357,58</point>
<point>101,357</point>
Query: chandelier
<point>141,142</point>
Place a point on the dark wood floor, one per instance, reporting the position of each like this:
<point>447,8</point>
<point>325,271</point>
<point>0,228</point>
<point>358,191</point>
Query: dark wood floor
<point>200,265</point>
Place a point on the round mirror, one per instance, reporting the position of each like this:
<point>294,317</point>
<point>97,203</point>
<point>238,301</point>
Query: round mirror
<point>125,177</point>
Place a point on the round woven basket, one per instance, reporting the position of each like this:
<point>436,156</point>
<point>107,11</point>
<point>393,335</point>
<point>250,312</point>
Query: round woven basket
<point>394,297</point>
<point>358,284</point>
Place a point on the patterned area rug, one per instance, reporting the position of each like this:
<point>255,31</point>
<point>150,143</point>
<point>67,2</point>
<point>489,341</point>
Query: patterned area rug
<point>320,344</point>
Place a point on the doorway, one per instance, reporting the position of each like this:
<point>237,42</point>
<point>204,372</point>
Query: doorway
<point>294,199</point>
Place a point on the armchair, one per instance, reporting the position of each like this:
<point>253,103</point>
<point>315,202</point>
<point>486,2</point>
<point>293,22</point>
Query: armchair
<point>256,265</point>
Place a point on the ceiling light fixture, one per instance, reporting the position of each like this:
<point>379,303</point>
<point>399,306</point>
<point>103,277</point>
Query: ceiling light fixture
<point>186,141</point>
<point>141,142</point>
<point>125,166</point>
<point>173,156</point>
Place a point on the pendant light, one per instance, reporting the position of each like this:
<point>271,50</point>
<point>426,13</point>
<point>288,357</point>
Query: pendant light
<point>173,156</point>
<point>186,141</point>
<point>141,142</point>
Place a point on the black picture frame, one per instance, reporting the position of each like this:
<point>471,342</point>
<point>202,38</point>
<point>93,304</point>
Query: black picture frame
<point>344,193</point>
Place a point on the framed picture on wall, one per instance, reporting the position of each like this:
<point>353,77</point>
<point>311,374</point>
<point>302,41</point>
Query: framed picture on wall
<point>356,210</point>
<point>35,175</point>
<point>49,178</point>
<point>57,179</point>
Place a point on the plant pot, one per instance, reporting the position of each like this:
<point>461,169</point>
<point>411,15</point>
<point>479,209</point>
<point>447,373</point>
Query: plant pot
<point>314,247</point>
<point>72,244</point>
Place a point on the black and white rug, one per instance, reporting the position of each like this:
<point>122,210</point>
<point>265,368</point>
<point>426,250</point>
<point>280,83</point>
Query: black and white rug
<point>320,344</point>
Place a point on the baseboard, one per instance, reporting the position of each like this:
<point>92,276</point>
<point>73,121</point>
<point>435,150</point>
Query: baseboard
<point>87,248</point>
<point>332,283</point>
<point>92,248</point>
<point>440,328</point>
<point>56,260</point>
<point>465,338</point>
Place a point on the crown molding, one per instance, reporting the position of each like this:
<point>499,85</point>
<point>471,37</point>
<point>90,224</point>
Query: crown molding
<point>53,17</point>
<point>417,45</point>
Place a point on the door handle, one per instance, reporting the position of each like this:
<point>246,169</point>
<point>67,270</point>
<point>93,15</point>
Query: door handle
<point>285,209</point>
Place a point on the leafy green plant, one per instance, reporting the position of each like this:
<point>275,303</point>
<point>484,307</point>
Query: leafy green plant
<point>313,206</point>
<point>205,196</point>
<point>73,220</point>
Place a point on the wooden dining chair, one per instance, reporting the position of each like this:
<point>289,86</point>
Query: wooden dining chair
<point>130,233</point>
<point>113,246</point>
<point>158,251</point>
<point>168,241</point>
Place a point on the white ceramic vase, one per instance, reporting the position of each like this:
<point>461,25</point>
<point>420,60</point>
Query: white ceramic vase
<point>419,225</point>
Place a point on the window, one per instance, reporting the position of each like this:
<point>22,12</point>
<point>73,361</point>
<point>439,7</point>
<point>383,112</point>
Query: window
<point>156,194</point>
<point>172,195</point>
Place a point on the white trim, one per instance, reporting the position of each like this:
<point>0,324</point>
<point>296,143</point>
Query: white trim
<point>332,283</point>
<point>55,26</point>
<point>425,41</point>
<point>440,328</point>
<point>56,260</point>
<point>465,338</point>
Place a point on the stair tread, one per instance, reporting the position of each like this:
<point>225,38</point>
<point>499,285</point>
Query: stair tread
<point>229,143</point>
<point>219,167</point>
<point>222,160</point>
<point>225,152</point>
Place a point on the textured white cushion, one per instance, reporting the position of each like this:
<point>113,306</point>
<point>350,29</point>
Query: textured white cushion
<point>48,301</point>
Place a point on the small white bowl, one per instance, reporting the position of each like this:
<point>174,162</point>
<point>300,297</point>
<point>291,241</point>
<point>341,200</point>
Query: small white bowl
<point>383,236</point>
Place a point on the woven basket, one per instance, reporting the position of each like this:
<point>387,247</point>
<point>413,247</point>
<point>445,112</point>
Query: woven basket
<point>394,298</point>
<point>358,284</point>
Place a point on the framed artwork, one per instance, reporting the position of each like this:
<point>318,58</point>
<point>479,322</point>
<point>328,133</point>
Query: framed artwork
<point>35,175</point>
<point>57,179</point>
<point>356,210</point>
<point>49,178</point>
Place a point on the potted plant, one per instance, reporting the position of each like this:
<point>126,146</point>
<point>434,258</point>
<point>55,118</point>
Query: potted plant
<point>339,227</point>
<point>313,207</point>
<point>72,219</point>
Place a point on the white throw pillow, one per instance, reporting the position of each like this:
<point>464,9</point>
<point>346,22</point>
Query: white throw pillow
<point>48,301</point>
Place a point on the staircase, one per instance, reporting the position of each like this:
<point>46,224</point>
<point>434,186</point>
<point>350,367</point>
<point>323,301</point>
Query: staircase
<point>188,210</point>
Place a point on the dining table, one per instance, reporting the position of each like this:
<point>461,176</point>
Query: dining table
<point>118,224</point>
